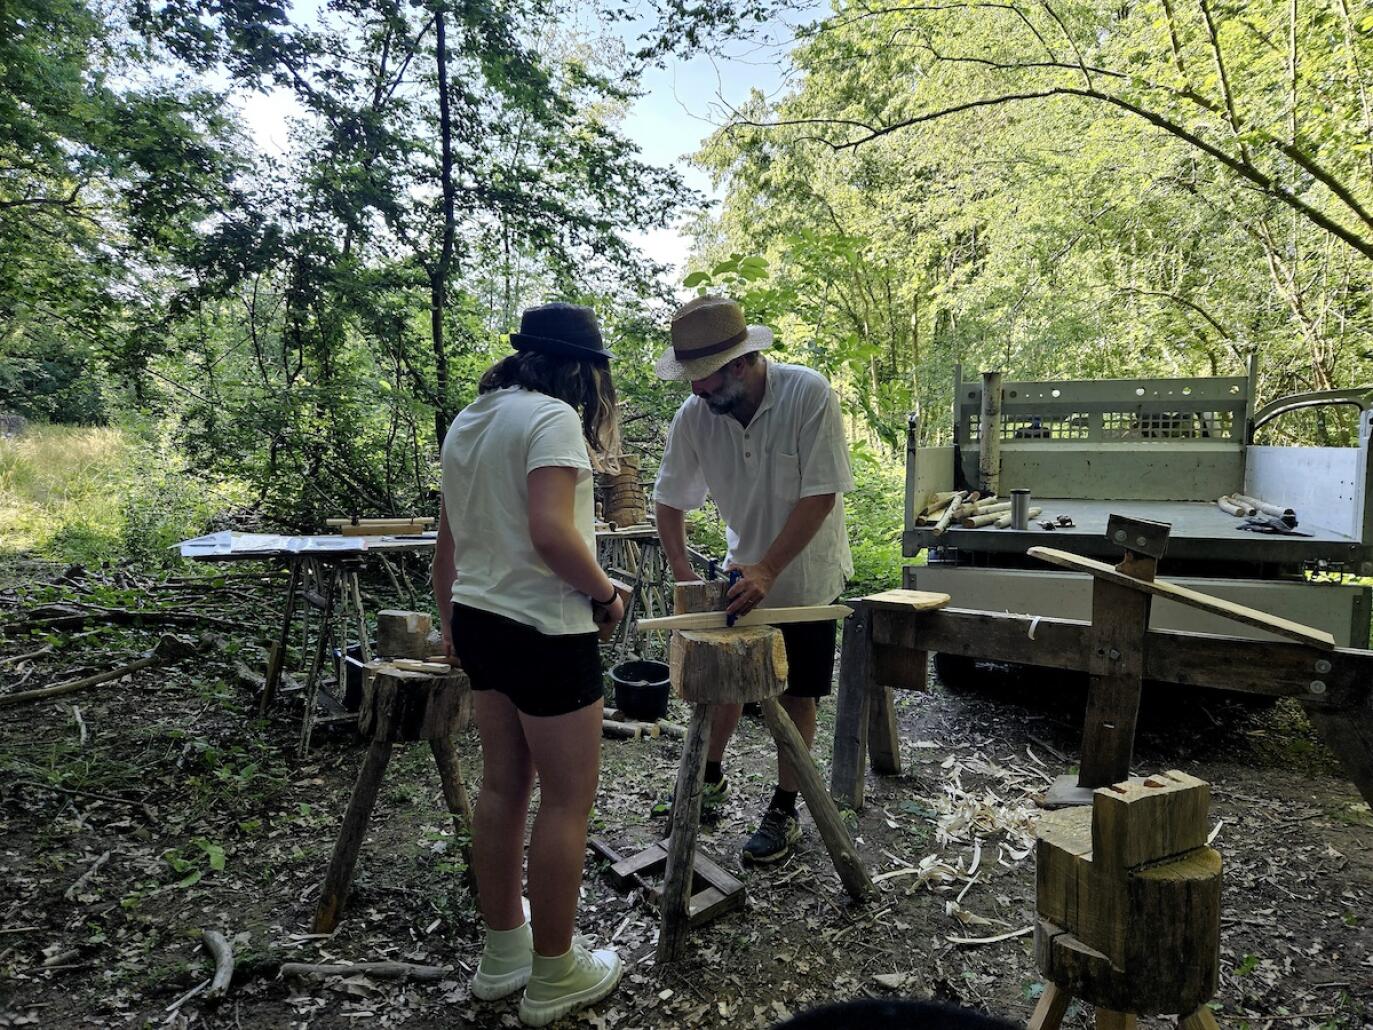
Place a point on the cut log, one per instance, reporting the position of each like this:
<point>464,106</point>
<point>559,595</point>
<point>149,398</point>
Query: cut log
<point>699,596</point>
<point>950,513</point>
<point>757,617</point>
<point>728,666</point>
<point>403,634</point>
<point>398,704</point>
<point>1232,507</point>
<point>1276,510</point>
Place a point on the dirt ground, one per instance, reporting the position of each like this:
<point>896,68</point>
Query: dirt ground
<point>165,809</point>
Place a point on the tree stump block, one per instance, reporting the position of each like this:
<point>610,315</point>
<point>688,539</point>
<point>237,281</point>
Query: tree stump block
<point>398,705</point>
<point>1128,897</point>
<point>403,634</point>
<point>727,666</point>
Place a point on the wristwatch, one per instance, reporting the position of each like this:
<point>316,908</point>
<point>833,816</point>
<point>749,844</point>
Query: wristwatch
<point>609,601</point>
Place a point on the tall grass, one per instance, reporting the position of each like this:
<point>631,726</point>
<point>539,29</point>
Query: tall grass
<point>93,494</point>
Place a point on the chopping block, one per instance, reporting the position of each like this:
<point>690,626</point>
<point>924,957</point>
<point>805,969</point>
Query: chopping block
<point>734,666</point>
<point>402,700</point>
<point>1128,900</point>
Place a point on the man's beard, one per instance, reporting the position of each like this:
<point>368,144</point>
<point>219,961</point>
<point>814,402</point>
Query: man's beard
<point>727,398</point>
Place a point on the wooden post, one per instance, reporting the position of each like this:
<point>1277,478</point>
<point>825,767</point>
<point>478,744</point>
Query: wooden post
<point>1120,621</point>
<point>989,436</point>
<point>686,821</point>
<point>455,796</point>
<point>822,808</point>
<point>340,875</point>
<point>1350,735</point>
<point>851,719</point>
<point>276,655</point>
<point>1053,1005</point>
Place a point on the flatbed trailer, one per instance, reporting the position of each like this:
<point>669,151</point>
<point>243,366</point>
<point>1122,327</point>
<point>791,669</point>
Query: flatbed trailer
<point>1158,449</point>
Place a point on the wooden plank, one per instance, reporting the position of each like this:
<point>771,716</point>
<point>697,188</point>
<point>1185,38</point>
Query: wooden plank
<point>422,520</point>
<point>835,835</point>
<point>908,600</point>
<point>757,617</point>
<point>884,742</point>
<point>1272,668</point>
<point>1193,598</point>
<point>1120,621</point>
<point>851,711</point>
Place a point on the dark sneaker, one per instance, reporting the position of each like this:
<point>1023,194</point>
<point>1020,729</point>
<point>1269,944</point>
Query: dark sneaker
<point>713,797</point>
<point>774,839</point>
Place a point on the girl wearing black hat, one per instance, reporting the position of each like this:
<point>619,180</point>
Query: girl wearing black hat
<point>520,595</point>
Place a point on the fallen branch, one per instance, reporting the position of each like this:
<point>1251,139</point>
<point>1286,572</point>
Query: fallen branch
<point>81,881</point>
<point>218,946</point>
<point>168,649</point>
<point>992,940</point>
<point>76,617</point>
<point>147,811</point>
<point>380,970</point>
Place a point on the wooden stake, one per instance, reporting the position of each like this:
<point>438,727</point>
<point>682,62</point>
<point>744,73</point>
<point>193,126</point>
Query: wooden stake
<point>455,797</point>
<point>989,434</point>
<point>1053,1005</point>
<point>345,856</point>
<point>821,805</point>
<point>686,821</point>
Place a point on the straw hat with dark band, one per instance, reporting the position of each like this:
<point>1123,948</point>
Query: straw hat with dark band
<point>707,334</point>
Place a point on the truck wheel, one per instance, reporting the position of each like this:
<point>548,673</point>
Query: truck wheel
<point>955,671</point>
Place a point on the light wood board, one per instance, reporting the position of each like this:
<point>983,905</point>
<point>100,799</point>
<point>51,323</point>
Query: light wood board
<point>908,600</point>
<point>757,617</point>
<point>1182,595</point>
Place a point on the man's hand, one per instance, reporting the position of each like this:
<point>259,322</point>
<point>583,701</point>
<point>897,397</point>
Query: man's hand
<point>754,583</point>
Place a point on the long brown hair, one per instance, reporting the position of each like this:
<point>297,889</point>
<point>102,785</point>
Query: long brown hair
<point>584,385</point>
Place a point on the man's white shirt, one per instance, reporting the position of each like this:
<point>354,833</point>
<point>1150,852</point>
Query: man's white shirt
<point>794,447</point>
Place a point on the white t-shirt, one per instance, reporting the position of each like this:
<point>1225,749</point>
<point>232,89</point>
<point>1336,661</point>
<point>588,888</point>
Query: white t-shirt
<point>492,446</point>
<point>794,447</point>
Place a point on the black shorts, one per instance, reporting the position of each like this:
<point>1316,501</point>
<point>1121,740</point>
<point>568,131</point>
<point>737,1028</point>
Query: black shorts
<point>810,657</point>
<point>543,674</point>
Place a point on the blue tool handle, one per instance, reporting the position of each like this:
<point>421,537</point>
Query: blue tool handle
<point>734,576</point>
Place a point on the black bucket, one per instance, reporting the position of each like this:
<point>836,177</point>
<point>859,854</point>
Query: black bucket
<point>348,669</point>
<point>641,689</point>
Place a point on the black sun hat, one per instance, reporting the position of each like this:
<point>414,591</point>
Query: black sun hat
<point>560,328</point>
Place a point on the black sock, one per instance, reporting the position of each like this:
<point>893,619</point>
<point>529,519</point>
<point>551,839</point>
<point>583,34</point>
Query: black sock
<point>715,772</point>
<point>784,801</point>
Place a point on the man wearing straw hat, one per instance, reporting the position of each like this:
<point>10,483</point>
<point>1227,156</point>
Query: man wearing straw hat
<point>765,440</point>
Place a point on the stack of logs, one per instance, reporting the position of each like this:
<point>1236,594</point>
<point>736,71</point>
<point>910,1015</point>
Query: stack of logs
<point>621,495</point>
<point>968,509</point>
<point>1242,506</point>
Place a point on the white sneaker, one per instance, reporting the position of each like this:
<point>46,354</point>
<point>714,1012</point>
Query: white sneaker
<point>568,982</point>
<point>506,962</point>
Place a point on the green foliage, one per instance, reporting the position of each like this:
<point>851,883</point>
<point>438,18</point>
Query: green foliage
<point>874,512</point>
<point>101,494</point>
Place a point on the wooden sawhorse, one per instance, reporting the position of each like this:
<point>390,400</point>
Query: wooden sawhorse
<point>888,639</point>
